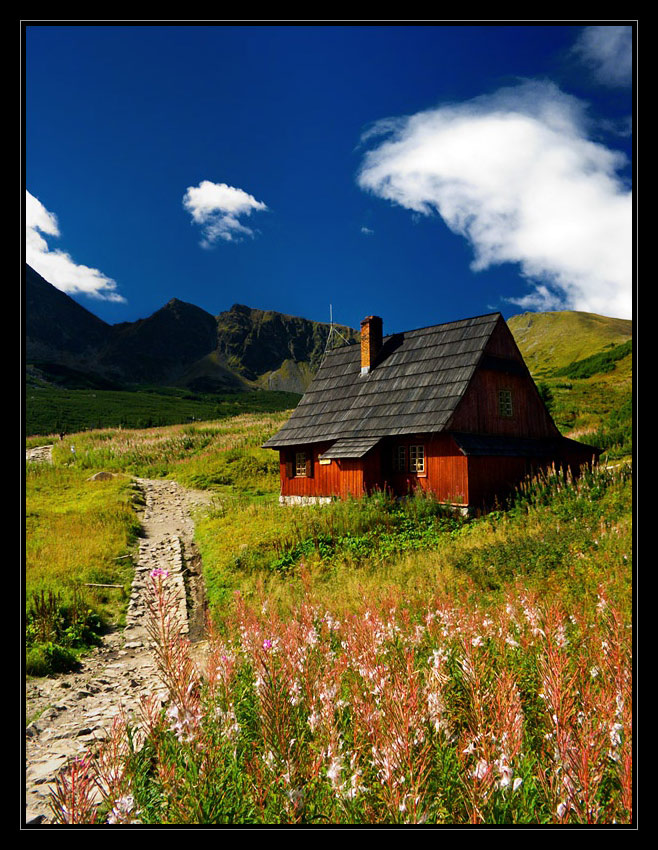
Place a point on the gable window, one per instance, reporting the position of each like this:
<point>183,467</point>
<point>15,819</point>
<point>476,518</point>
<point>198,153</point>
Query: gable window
<point>417,459</point>
<point>505,403</point>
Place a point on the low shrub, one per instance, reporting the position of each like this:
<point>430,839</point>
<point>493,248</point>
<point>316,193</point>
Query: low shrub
<point>601,363</point>
<point>45,659</point>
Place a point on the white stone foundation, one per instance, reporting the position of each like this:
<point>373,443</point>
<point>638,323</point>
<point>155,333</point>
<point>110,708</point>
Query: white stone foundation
<point>304,500</point>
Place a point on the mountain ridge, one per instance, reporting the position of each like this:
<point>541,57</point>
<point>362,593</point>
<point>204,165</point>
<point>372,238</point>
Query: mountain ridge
<point>179,344</point>
<point>247,348</point>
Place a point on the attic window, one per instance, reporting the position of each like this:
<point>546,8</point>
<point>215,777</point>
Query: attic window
<point>505,403</point>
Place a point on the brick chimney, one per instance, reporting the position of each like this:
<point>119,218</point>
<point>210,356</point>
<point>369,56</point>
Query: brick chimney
<point>371,342</point>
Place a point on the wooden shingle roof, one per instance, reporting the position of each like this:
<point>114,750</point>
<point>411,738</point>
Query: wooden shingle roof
<point>416,382</point>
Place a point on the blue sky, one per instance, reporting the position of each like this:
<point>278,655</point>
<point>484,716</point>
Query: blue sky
<point>424,173</point>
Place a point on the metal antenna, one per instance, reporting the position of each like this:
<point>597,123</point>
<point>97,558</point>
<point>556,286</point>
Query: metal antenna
<point>332,329</point>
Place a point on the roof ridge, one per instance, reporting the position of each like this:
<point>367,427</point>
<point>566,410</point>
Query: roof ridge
<point>496,313</point>
<point>340,402</point>
<point>445,324</point>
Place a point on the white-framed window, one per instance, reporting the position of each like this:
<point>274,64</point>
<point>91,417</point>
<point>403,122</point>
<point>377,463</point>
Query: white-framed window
<point>300,464</point>
<point>505,403</point>
<point>416,458</point>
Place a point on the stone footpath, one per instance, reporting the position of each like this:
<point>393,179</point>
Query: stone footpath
<point>77,708</point>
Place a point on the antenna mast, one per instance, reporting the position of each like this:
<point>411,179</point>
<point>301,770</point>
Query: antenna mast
<point>332,329</point>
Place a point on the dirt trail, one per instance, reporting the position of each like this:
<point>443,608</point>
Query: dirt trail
<point>75,709</point>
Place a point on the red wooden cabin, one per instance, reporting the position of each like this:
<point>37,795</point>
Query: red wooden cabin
<point>450,408</point>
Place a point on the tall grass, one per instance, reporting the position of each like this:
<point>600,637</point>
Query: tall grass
<point>52,410</point>
<point>440,713</point>
<point>560,532</point>
<point>210,454</point>
<point>77,532</point>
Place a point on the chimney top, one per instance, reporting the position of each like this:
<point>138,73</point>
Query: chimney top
<point>371,342</point>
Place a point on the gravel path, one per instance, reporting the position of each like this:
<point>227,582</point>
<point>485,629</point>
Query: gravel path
<point>75,709</point>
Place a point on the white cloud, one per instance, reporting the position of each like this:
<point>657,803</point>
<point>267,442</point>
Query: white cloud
<point>367,231</point>
<point>57,267</point>
<point>515,174</point>
<point>218,208</point>
<point>608,51</point>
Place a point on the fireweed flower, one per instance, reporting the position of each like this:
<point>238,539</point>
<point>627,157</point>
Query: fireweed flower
<point>437,657</point>
<point>481,769</point>
<point>560,636</point>
<point>158,573</point>
<point>296,796</point>
<point>295,693</point>
<point>331,624</point>
<point>335,770</point>
<point>313,720</point>
<point>615,740</point>
<point>228,720</point>
<point>122,809</point>
<point>506,773</point>
<point>183,723</point>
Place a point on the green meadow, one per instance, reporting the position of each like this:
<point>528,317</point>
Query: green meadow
<point>51,409</point>
<point>368,661</point>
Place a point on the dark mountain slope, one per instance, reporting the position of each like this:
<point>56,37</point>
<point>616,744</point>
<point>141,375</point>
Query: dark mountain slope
<point>242,348</point>
<point>57,328</point>
<point>160,348</point>
<point>257,342</point>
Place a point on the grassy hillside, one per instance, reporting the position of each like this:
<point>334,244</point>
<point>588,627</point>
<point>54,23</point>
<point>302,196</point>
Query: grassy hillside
<point>552,341</point>
<point>584,364</point>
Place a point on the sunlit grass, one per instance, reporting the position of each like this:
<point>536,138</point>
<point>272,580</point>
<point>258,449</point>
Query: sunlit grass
<point>370,661</point>
<point>195,455</point>
<point>561,537</point>
<point>77,533</point>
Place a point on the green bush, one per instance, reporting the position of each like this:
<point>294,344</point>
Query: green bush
<point>600,363</point>
<point>44,659</point>
<point>52,622</point>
